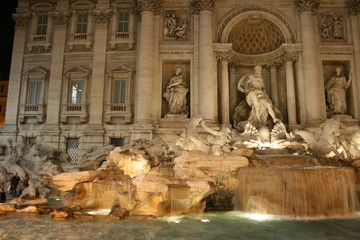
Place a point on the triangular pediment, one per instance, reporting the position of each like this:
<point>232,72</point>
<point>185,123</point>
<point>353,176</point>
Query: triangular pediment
<point>37,70</point>
<point>77,70</point>
<point>42,6</point>
<point>120,69</point>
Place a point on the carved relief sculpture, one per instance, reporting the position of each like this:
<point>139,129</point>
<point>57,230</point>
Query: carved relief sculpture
<point>176,25</point>
<point>331,26</point>
<point>336,88</point>
<point>175,94</point>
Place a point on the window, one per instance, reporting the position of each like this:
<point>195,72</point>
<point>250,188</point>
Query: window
<point>1,109</point>
<point>2,88</point>
<point>42,25</point>
<point>82,23</point>
<point>117,142</point>
<point>35,92</point>
<point>119,91</point>
<point>72,149</point>
<point>77,88</point>
<point>123,22</point>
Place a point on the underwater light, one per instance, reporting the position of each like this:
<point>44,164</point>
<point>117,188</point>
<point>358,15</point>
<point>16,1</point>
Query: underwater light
<point>258,216</point>
<point>205,220</point>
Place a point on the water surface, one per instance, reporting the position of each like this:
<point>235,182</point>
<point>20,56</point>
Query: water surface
<point>204,226</point>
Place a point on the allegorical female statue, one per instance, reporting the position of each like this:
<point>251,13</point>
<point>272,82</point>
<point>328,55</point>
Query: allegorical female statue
<point>175,93</point>
<point>335,89</point>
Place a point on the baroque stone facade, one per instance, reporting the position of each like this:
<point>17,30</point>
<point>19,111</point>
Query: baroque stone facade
<point>93,72</point>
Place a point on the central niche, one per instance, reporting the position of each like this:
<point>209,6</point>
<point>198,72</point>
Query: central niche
<point>255,35</point>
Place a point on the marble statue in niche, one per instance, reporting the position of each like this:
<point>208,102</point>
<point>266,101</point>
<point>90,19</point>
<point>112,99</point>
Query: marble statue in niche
<point>176,26</point>
<point>336,88</point>
<point>256,97</point>
<point>176,94</point>
<point>331,26</point>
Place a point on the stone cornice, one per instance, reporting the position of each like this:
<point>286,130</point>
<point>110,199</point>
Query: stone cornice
<point>307,5</point>
<point>102,16</point>
<point>202,5</point>
<point>60,18</point>
<point>353,7</point>
<point>21,19</point>
<point>148,5</point>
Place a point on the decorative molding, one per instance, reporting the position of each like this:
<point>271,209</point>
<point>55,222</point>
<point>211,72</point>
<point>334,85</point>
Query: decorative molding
<point>307,5</point>
<point>148,5</point>
<point>203,5</point>
<point>353,7</point>
<point>102,16</point>
<point>21,19</point>
<point>60,18</point>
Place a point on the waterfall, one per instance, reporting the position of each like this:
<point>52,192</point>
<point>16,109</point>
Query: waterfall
<point>297,191</point>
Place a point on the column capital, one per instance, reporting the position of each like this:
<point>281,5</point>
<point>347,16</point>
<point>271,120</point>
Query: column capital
<point>273,65</point>
<point>21,19</point>
<point>223,58</point>
<point>353,7</point>
<point>203,5</point>
<point>307,5</point>
<point>60,18</point>
<point>290,57</point>
<point>102,16</point>
<point>148,5</point>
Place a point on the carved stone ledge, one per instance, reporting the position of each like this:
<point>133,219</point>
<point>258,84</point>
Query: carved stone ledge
<point>353,7</point>
<point>203,5</point>
<point>60,18</point>
<point>102,16</point>
<point>22,20</point>
<point>148,5</point>
<point>307,5</point>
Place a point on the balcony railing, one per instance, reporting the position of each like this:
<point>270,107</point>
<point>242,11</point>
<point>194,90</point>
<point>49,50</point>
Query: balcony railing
<point>39,38</point>
<point>74,110</point>
<point>32,110</point>
<point>80,36</point>
<point>118,110</point>
<point>122,35</point>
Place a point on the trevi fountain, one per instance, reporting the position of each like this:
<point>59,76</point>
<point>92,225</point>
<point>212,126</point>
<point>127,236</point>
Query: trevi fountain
<point>209,178</point>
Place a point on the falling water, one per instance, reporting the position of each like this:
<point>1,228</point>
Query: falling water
<point>297,192</point>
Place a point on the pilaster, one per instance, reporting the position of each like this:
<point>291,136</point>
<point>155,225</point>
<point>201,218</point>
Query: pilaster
<point>12,107</point>
<point>290,88</point>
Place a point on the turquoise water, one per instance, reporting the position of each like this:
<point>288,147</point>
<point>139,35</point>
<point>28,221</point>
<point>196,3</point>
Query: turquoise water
<point>203,226</point>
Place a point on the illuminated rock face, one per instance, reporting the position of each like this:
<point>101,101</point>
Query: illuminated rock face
<point>297,192</point>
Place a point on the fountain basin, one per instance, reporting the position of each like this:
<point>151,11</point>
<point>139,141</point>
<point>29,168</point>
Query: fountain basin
<point>297,191</point>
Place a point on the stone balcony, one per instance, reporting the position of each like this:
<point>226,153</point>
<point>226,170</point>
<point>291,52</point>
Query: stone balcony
<point>70,112</point>
<point>118,112</point>
<point>80,39</point>
<point>37,111</point>
<point>39,41</point>
<point>122,38</point>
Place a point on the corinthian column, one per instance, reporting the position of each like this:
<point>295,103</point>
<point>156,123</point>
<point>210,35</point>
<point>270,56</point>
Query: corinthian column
<point>290,89</point>
<point>145,61</point>
<point>207,84</point>
<point>354,11</point>
<point>12,107</point>
<point>225,108</point>
<point>314,87</point>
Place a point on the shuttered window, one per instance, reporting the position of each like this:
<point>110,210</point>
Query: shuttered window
<point>119,91</point>
<point>34,92</point>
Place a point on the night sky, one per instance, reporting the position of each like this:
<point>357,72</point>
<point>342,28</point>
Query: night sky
<point>7,7</point>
